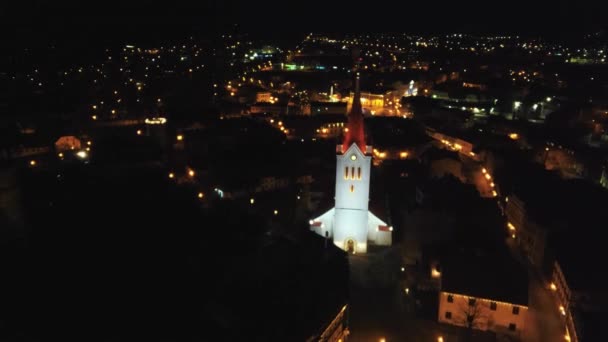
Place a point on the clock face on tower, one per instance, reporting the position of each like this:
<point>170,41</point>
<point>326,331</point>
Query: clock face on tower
<point>353,157</point>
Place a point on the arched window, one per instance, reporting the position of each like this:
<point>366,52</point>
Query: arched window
<point>346,172</point>
<point>359,173</point>
<point>352,172</point>
<point>352,188</point>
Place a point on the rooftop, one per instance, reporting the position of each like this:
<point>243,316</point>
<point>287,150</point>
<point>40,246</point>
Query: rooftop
<point>484,275</point>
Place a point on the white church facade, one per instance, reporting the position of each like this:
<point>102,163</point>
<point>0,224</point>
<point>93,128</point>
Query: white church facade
<point>350,224</point>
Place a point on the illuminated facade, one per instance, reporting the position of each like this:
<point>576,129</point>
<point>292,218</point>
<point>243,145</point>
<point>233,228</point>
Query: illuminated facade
<point>350,223</point>
<point>481,313</point>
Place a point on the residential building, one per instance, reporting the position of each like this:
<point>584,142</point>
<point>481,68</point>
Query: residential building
<point>483,291</point>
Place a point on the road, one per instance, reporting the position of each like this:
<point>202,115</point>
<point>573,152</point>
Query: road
<point>543,322</point>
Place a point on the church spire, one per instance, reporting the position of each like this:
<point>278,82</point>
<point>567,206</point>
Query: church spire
<point>355,132</point>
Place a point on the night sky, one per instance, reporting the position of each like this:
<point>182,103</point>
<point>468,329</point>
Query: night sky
<point>114,19</point>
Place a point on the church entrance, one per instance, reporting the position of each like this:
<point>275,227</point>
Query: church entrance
<point>350,246</point>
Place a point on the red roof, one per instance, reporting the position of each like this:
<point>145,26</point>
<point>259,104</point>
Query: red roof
<point>384,228</point>
<point>355,133</point>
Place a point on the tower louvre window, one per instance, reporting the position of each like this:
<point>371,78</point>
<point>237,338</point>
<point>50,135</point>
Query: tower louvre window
<point>346,172</point>
<point>352,188</point>
<point>359,173</point>
<point>352,172</point>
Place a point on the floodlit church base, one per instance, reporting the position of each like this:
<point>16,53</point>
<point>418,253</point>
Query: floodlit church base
<point>350,224</point>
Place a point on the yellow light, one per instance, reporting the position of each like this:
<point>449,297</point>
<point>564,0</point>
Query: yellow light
<point>231,93</point>
<point>89,142</point>
<point>113,111</point>
<point>382,154</point>
<point>440,339</point>
<point>435,273</point>
<point>511,226</point>
<point>353,157</point>
<point>180,137</point>
<point>139,132</point>
<point>407,290</point>
<point>346,130</point>
<point>191,173</point>
<point>484,170</point>
<point>271,120</point>
<point>382,339</point>
<point>280,123</point>
<point>494,193</point>
<point>492,184</point>
<point>514,136</point>
<point>513,236</point>
<point>60,155</point>
<point>488,177</point>
<point>32,162</point>
<point>553,287</point>
<point>403,154</point>
<point>200,195</point>
<point>81,154</point>
<point>94,117</point>
<point>251,200</point>
<point>94,107</point>
<point>562,310</point>
<point>276,212</point>
<point>171,175</point>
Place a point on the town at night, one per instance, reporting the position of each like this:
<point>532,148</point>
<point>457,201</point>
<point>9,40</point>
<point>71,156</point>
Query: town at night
<point>308,171</point>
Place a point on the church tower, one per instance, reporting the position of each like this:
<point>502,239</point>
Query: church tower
<point>349,223</point>
<point>352,182</point>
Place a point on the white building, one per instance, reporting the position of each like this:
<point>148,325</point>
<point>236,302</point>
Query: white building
<point>350,223</point>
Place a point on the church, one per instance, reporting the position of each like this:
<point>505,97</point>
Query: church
<point>350,224</point>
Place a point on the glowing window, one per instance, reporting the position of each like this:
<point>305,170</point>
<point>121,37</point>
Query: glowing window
<point>352,172</point>
<point>346,172</point>
<point>352,188</point>
<point>359,173</point>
